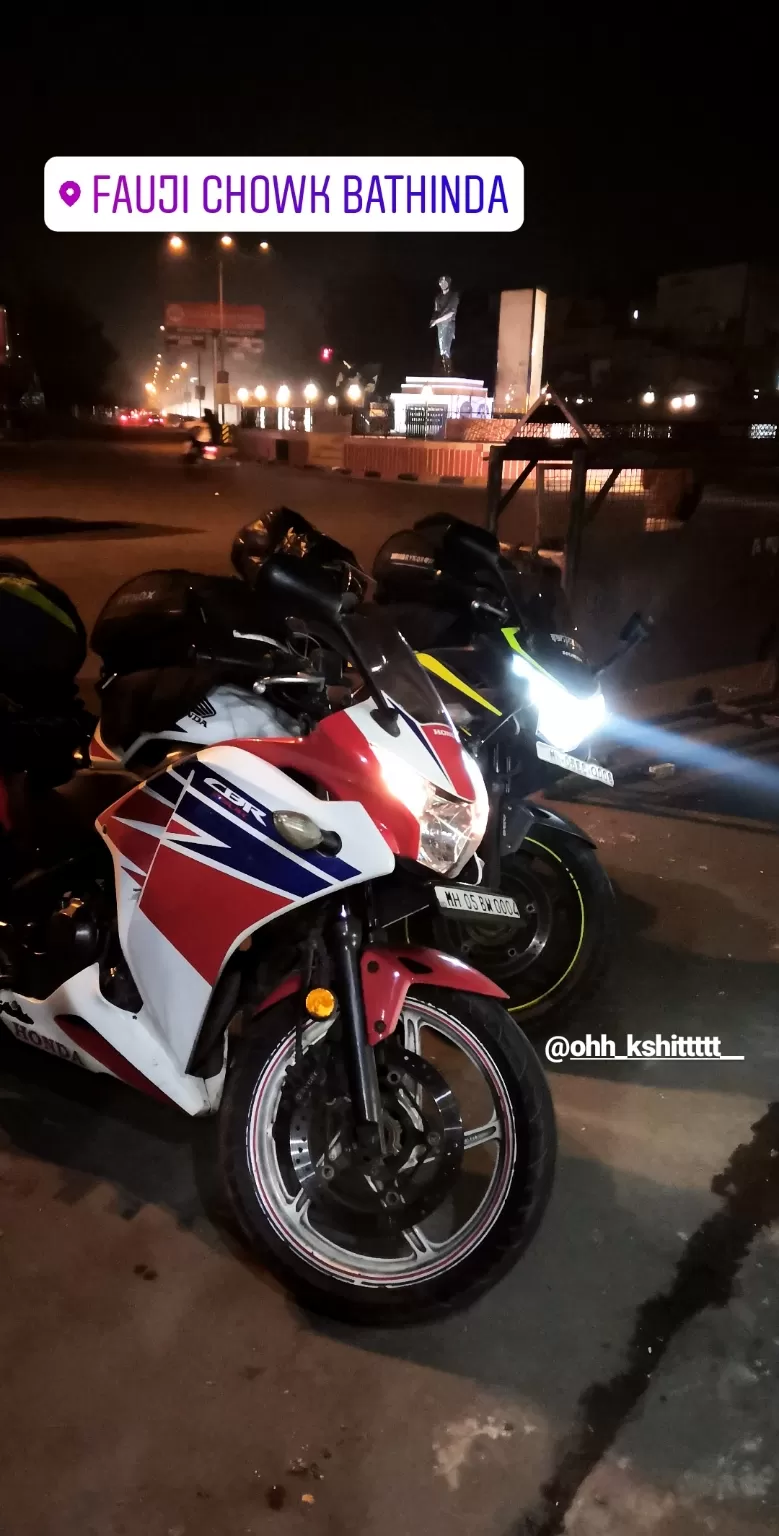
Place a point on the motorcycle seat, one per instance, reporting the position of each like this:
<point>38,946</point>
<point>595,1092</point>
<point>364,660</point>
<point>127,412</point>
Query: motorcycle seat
<point>55,823</point>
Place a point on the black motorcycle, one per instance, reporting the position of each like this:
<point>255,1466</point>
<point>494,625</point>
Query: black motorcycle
<point>496,635</point>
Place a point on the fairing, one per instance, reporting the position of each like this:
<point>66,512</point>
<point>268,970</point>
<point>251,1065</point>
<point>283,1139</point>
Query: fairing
<point>199,867</point>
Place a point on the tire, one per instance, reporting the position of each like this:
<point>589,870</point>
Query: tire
<point>563,880</point>
<point>492,1238</point>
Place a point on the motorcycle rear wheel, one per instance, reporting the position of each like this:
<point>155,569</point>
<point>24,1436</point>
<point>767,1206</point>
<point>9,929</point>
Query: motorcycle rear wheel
<point>466,1198</point>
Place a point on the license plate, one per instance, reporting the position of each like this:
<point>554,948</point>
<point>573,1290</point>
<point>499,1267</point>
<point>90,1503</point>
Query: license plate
<point>574,764</point>
<point>454,898</point>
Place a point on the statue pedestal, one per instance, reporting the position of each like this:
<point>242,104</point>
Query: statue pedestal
<point>465,399</point>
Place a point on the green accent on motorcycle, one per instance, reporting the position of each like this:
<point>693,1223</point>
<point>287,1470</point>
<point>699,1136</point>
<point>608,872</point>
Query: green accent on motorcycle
<point>533,1002</point>
<point>23,588</point>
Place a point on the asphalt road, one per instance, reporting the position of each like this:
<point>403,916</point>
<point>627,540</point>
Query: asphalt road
<point>620,1380</point>
<point>178,515</point>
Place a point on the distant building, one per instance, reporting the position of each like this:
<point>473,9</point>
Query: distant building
<point>712,332</point>
<point>739,303</point>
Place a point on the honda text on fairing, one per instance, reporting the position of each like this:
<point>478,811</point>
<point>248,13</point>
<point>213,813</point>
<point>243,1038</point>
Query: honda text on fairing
<point>495,634</point>
<point>220,940</point>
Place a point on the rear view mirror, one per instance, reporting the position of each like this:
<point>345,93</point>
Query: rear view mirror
<point>297,587</point>
<point>634,632</point>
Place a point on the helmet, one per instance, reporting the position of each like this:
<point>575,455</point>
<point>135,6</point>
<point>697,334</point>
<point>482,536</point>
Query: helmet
<point>253,544</point>
<point>284,532</point>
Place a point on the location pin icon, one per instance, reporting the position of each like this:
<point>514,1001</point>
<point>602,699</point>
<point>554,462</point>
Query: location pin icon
<point>70,192</point>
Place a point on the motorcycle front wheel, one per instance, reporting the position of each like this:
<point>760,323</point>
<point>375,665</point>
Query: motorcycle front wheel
<point>464,1179</point>
<point>559,955</point>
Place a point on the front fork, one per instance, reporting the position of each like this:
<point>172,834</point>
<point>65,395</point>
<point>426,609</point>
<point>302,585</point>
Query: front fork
<point>360,1056</point>
<point>497,785</point>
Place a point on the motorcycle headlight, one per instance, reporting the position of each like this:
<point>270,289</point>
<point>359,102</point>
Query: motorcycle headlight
<point>450,829</point>
<point>564,719</point>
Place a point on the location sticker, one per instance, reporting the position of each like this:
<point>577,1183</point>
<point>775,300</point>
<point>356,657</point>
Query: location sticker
<point>307,193</point>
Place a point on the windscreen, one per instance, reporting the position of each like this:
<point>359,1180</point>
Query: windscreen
<point>393,666</point>
<point>539,596</point>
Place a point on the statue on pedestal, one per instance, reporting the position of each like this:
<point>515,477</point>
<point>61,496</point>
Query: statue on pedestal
<point>444,319</point>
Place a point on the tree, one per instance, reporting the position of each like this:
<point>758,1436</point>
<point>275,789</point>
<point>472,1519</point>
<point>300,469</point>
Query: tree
<point>66,348</point>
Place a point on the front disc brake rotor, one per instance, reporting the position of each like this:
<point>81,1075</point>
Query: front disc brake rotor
<point>423,1138</point>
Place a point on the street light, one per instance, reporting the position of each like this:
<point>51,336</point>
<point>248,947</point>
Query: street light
<point>243,395</point>
<point>310,393</point>
<point>648,397</point>
<point>264,246</point>
<point>184,366</point>
<point>283,395</point>
<point>676,403</point>
<point>354,393</point>
<point>332,401</point>
<point>150,388</point>
<point>690,402</point>
<point>260,392</point>
<point>225,243</point>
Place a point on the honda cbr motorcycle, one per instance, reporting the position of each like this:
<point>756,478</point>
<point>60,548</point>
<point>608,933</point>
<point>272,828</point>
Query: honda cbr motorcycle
<point>495,635</point>
<point>183,677</point>
<point>217,935</point>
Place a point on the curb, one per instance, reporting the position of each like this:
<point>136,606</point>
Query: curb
<point>369,474</point>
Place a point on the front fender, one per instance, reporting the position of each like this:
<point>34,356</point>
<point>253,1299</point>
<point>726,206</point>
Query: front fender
<point>522,818</point>
<point>387,975</point>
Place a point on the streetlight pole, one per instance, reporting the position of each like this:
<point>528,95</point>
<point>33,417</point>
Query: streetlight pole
<point>221,330</point>
<point>176,244</point>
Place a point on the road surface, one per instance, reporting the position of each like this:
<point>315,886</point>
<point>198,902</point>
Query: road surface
<point>175,515</point>
<point>620,1380</point>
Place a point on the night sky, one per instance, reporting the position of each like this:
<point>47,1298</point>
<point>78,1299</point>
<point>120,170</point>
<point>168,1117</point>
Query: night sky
<point>641,156</point>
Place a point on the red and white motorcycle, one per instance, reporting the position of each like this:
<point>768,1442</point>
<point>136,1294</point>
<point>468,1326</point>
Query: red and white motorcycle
<point>215,935</point>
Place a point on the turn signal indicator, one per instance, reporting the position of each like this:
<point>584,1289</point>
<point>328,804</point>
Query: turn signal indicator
<point>320,1003</point>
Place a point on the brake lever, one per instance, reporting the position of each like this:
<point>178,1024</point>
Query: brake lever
<point>306,679</point>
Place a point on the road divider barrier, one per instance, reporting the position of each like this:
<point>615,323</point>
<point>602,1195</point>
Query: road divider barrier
<point>377,458</point>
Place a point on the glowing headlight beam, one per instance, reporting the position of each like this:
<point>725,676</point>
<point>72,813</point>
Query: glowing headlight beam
<point>564,719</point>
<point>685,751</point>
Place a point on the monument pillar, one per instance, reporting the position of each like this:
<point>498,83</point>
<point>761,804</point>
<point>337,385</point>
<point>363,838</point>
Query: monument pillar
<point>520,348</point>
